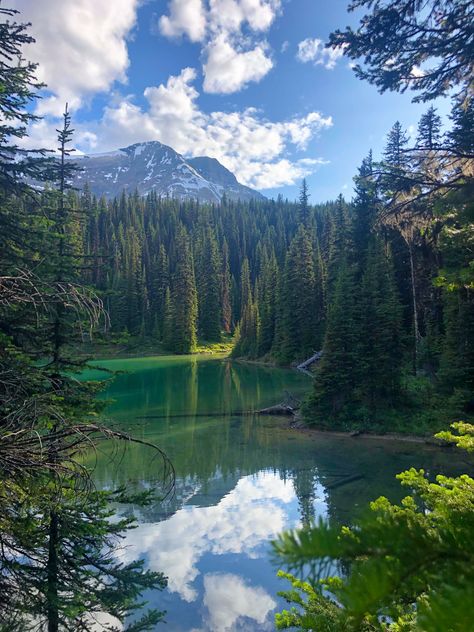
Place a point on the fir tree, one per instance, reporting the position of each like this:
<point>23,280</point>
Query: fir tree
<point>303,209</point>
<point>268,304</point>
<point>378,327</point>
<point>335,376</point>
<point>364,208</point>
<point>183,297</point>
<point>299,333</point>
<point>461,136</point>
<point>209,287</point>
<point>429,130</point>
<point>226,290</point>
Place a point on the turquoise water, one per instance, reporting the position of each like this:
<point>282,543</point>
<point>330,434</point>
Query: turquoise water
<point>240,480</point>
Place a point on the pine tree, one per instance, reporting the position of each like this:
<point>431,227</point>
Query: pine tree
<point>247,333</point>
<point>56,565</point>
<point>396,179</point>
<point>429,130</point>
<point>303,208</point>
<point>245,287</point>
<point>395,37</point>
<point>20,88</point>
<point>268,303</point>
<point>457,360</point>
<point>134,282</point>
<point>339,243</point>
<point>335,376</point>
<point>209,287</point>
<point>226,290</point>
<point>364,208</point>
<point>167,327</point>
<point>159,285</point>
<point>461,136</point>
<point>378,329</point>
<point>298,328</point>
<point>183,337</point>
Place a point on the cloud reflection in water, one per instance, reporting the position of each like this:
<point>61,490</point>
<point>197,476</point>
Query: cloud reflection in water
<point>241,523</point>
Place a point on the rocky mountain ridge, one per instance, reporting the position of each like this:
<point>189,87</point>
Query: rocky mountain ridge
<point>152,166</point>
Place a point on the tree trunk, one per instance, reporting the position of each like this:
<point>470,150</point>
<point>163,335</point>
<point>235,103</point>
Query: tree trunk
<point>416,330</point>
<point>52,567</point>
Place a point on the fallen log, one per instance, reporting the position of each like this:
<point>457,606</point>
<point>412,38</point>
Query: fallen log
<point>345,481</point>
<point>279,409</point>
<point>303,366</point>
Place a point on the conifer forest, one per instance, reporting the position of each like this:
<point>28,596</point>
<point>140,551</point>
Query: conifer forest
<point>301,369</point>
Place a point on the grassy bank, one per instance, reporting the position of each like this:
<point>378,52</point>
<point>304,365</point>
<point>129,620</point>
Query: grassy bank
<point>124,346</point>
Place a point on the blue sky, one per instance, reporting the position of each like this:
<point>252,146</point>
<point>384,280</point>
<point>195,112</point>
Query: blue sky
<point>248,82</point>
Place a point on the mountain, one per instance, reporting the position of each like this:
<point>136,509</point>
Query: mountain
<point>154,166</point>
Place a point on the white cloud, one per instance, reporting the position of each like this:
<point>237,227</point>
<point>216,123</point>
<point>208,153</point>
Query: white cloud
<point>228,70</point>
<point>238,524</point>
<point>279,173</point>
<point>227,598</point>
<point>231,15</point>
<point>313,50</point>
<point>186,17</point>
<point>98,621</point>
<point>255,149</point>
<point>80,46</point>
<point>231,60</point>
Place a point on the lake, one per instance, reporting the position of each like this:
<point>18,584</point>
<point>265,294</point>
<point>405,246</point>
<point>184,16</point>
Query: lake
<point>240,480</point>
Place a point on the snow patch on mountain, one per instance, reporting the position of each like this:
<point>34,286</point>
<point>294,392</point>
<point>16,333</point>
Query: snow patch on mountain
<point>152,166</point>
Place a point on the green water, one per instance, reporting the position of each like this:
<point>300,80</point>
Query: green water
<point>240,480</point>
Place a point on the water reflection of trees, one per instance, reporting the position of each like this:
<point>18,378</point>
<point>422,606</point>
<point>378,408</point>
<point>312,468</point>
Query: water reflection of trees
<point>210,453</point>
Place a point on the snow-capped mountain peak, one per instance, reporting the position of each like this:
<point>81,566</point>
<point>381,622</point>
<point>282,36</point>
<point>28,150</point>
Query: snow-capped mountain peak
<point>152,166</point>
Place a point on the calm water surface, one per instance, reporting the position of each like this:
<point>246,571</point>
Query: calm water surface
<point>240,480</point>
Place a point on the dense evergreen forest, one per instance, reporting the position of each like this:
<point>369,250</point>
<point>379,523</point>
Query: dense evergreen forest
<point>378,284</point>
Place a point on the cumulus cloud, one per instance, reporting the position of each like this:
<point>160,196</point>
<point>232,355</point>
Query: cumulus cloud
<point>255,149</point>
<point>231,15</point>
<point>80,46</point>
<point>231,59</point>
<point>185,18</point>
<point>228,70</point>
<point>314,51</point>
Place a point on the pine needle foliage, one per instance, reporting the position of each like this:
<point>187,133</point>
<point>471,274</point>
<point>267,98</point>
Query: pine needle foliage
<point>408,567</point>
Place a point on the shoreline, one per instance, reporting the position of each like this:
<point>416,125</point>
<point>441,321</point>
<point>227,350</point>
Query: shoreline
<point>145,352</point>
<point>389,436</point>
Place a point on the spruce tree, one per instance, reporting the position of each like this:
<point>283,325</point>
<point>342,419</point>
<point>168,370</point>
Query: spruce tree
<point>183,338</point>
<point>429,130</point>
<point>245,287</point>
<point>303,208</point>
<point>226,290</point>
<point>268,300</point>
<point>56,562</point>
<point>364,208</point>
<point>396,163</point>
<point>160,283</point>
<point>335,375</point>
<point>379,331</point>
<point>209,287</point>
<point>339,243</point>
<point>299,332</point>
<point>461,136</point>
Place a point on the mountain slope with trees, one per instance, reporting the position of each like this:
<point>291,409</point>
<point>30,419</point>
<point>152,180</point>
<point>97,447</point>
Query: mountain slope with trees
<point>382,284</point>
